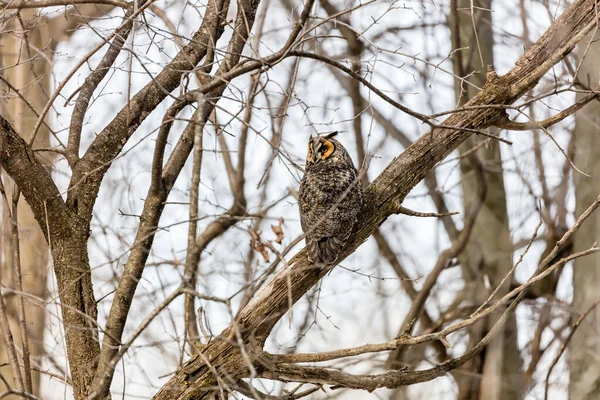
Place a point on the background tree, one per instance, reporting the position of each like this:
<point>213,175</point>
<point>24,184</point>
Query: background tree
<point>29,41</point>
<point>583,361</point>
<point>488,256</point>
<point>184,140</point>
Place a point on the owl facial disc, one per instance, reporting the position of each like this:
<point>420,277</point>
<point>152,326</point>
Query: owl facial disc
<point>319,148</point>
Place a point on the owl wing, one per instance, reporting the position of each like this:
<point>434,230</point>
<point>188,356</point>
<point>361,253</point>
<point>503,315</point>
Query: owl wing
<point>328,237</point>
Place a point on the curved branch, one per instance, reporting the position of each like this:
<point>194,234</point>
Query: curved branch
<point>34,181</point>
<point>23,4</point>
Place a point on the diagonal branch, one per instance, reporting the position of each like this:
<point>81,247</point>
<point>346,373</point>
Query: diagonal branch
<point>531,125</point>
<point>93,80</point>
<point>34,181</point>
<point>159,190</point>
<point>90,170</point>
<point>258,318</point>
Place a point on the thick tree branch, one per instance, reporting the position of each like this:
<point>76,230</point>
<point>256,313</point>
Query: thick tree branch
<point>67,238</point>
<point>34,181</point>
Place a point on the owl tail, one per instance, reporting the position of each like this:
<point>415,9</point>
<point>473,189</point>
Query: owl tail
<point>324,250</point>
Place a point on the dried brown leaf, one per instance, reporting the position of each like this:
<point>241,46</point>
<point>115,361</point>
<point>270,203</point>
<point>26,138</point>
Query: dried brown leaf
<point>278,230</point>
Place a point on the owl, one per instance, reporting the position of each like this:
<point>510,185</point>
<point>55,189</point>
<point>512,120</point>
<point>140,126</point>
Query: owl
<point>330,198</point>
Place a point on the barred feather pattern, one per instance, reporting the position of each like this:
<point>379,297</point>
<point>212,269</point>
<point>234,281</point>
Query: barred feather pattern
<point>330,200</point>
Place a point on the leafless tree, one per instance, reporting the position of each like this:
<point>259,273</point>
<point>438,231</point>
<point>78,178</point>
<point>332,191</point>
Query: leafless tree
<point>179,136</point>
<point>29,43</point>
<point>584,366</point>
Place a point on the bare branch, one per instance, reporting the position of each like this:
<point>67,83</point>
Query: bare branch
<point>260,315</point>
<point>21,4</point>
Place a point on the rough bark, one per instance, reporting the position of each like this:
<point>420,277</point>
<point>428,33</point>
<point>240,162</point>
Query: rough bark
<point>584,360</point>
<point>68,238</point>
<point>221,361</point>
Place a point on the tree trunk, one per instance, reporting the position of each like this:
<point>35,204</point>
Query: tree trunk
<point>584,361</point>
<point>494,374</point>
<point>29,72</point>
<point>26,57</point>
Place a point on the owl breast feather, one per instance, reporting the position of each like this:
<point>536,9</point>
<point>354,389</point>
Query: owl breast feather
<point>330,199</point>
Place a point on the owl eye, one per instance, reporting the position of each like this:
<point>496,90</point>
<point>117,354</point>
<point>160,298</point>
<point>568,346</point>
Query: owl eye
<point>327,149</point>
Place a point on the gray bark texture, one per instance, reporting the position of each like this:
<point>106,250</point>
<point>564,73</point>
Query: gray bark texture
<point>584,359</point>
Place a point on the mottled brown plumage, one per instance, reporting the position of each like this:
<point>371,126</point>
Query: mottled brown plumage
<point>330,198</point>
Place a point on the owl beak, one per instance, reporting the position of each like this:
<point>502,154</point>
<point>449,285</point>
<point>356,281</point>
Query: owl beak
<point>315,153</point>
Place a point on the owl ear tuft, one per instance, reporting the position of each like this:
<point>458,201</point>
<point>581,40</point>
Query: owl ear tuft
<point>332,134</point>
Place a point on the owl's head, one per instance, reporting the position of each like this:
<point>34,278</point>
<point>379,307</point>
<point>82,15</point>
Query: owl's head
<point>321,148</point>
